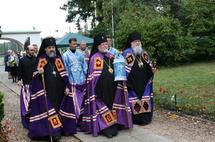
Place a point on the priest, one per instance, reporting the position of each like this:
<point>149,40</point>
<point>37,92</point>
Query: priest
<point>105,103</point>
<point>140,71</point>
<point>51,104</point>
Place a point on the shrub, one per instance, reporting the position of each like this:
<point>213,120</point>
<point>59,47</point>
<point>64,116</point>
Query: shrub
<point>1,107</point>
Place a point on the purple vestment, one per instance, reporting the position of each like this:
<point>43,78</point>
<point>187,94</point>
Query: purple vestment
<point>95,113</point>
<point>147,95</point>
<point>39,125</point>
<point>24,103</point>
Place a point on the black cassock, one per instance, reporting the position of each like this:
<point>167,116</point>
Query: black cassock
<point>54,84</point>
<point>106,90</point>
<point>137,80</point>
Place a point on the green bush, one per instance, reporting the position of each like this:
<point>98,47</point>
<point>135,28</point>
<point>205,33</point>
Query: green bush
<point>162,36</point>
<point>1,107</point>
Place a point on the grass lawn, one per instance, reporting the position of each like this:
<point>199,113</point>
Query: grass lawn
<point>189,89</point>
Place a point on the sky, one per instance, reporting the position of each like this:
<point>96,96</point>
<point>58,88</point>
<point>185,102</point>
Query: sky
<point>44,15</point>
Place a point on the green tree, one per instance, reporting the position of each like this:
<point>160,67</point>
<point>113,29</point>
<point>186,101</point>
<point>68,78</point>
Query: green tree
<point>173,31</point>
<point>82,10</point>
<point>199,21</point>
<point>162,35</point>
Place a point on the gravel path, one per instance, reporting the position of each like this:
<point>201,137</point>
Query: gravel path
<point>182,128</point>
<point>168,124</point>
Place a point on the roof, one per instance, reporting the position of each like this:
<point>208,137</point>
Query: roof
<point>64,41</point>
<point>21,32</point>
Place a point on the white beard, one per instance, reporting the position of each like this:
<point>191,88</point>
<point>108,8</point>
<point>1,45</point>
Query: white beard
<point>137,49</point>
<point>102,50</point>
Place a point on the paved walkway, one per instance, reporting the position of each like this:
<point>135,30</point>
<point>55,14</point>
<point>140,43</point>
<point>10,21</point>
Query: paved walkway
<point>137,134</point>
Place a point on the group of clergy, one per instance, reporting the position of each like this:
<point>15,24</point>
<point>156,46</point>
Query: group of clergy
<point>79,90</point>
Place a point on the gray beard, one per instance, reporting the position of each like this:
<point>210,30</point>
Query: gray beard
<point>102,50</point>
<point>137,50</point>
<point>51,54</point>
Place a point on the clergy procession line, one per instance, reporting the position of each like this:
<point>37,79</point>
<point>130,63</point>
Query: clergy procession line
<point>98,92</point>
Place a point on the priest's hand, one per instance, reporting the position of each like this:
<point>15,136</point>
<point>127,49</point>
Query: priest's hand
<point>40,70</point>
<point>67,91</point>
<point>154,69</point>
<point>154,63</point>
<point>19,83</point>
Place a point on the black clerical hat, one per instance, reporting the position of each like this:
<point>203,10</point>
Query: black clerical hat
<point>98,39</point>
<point>132,37</point>
<point>49,41</point>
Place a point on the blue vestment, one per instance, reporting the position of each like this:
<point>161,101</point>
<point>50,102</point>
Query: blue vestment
<point>75,65</point>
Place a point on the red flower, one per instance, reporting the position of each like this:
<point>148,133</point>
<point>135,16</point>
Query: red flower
<point>213,103</point>
<point>162,90</point>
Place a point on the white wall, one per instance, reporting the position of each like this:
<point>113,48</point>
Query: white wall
<point>34,37</point>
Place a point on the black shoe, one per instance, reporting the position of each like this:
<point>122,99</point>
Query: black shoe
<point>107,132</point>
<point>143,118</point>
<point>55,139</point>
<point>108,135</point>
<point>114,130</point>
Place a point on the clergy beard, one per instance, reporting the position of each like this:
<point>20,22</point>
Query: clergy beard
<point>102,50</point>
<point>51,54</point>
<point>137,49</point>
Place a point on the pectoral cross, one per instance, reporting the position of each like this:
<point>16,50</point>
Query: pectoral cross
<point>54,73</point>
<point>140,64</point>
